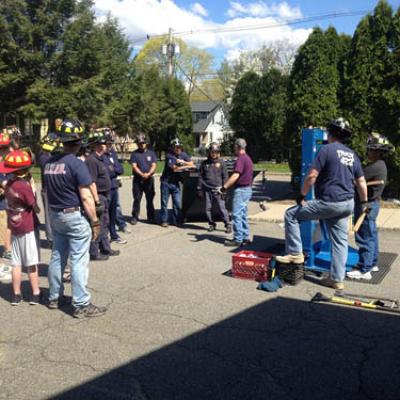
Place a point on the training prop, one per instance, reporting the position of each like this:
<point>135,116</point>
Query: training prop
<point>314,234</point>
<point>252,265</point>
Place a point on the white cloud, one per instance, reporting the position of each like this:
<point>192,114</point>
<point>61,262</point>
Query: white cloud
<point>154,17</point>
<point>262,9</point>
<point>197,8</point>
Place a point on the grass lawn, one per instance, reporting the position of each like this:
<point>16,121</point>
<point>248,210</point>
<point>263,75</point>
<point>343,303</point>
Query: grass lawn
<point>272,167</point>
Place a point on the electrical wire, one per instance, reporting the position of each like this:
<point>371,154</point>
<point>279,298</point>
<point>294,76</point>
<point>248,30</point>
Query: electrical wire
<point>195,85</point>
<point>293,21</point>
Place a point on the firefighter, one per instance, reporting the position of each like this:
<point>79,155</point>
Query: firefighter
<point>68,184</point>
<point>212,175</point>
<point>367,236</point>
<point>101,185</point>
<point>144,163</point>
<point>176,162</point>
<point>333,173</point>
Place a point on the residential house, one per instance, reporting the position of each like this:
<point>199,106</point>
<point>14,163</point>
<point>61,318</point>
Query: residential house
<point>210,123</point>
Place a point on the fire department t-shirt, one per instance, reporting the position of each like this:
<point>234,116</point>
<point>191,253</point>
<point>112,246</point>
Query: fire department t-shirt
<point>143,159</point>
<point>338,167</point>
<point>20,202</point>
<point>64,174</point>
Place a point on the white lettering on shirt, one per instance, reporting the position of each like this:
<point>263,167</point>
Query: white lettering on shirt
<point>345,157</point>
<point>54,169</point>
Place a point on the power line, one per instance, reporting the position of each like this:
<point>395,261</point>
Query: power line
<point>292,21</point>
<point>195,85</point>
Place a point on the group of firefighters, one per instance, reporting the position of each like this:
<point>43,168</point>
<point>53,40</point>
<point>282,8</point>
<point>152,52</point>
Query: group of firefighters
<point>80,195</point>
<point>79,188</point>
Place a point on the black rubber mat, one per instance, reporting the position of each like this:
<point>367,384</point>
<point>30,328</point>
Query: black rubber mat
<point>386,261</point>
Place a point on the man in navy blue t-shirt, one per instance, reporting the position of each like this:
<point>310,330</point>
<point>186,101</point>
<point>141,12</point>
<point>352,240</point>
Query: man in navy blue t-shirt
<point>144,163</point>
<point>333,173</point>
<point>68,182</point>
<point>176,161</point>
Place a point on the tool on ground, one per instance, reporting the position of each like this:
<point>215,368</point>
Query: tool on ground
<point>359,301</point>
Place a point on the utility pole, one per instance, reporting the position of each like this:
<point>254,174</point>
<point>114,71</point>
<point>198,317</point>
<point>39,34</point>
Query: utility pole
<point>170,50</point>
<point>170,55</point>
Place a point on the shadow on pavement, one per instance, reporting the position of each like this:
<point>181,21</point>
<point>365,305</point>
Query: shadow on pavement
<point>279,349</point>
<point>273,190</point>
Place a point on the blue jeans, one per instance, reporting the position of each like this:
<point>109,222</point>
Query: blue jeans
<point>113,204</point>
<point>335,216</point>
<point>174,190</point>
<point>241,198</point>
<point>367,237</point>
<point>71,238</point>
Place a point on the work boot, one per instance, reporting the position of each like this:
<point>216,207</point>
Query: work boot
<point>328,282</point>
<point>133,221</point>
<point>211,228</point>
<point>357,274</point>
<point>89,311</point>
<point>112,253</point>
<point>100,257</point>
<point>232,243</point>
<point>228,229</point>
<point>164,224</point>
<point>290,259</point>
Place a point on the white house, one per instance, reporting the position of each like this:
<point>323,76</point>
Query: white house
<point>210,123</point>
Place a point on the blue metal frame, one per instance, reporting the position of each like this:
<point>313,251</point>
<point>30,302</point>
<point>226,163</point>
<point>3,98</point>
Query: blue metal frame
<point>318,252</point>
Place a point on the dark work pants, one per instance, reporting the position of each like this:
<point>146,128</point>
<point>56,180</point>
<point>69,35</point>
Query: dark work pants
<point>49,233</point>
<point>113,213</point>
<point>210,198</point>
<point>102,243</point>
<point>141,186</point>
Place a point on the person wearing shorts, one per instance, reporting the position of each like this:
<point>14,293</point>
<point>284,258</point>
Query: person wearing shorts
<point>22,222</point>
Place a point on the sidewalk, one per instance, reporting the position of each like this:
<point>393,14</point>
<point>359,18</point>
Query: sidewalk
<point>389,218</point>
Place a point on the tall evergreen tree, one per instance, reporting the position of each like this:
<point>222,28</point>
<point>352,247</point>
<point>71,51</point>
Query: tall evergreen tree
<point>314,87</point>
<point>368,57</point>
<point>246,113</point>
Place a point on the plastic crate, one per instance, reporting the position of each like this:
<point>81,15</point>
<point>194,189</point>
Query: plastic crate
<point>252,265</point>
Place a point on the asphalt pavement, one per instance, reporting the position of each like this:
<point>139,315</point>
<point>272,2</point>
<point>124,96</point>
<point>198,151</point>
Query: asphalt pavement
<point>178,328</point>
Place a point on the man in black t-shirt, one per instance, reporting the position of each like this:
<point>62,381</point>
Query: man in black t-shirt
<point>100,248</point>
<point>367,236</point>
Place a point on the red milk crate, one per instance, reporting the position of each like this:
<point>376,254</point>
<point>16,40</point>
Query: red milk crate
<point>251,265</point>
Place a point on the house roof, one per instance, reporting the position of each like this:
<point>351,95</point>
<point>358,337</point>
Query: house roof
<point>204,106</point>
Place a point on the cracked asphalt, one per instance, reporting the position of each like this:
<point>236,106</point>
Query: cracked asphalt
<point>177,328</point>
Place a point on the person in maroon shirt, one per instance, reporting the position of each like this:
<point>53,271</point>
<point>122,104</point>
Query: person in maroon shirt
<point>241,180</point>
<point>22,221</point>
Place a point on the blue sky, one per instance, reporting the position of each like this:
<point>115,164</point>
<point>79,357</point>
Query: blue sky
<point>208,17</point>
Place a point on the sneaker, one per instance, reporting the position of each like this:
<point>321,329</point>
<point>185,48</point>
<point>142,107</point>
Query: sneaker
<point>232,243</point>
<point>228,229</point>
<point>125,230</point>
<point>7,255</point>
<point>290,259</point>
<point>211,228</point>
<point>16,300</point>
<point>164,224</point>
<point>357,274</point>
<point>100,257</point>
<point>89,311</point>
<point>328,282</point>
<point>375,268</point>
<point>133,221</point>
<point>119,241</point>
<point>35,299</point>
<point>246,242</point>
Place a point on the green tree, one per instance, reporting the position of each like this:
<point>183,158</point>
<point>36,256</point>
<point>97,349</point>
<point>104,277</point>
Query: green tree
<point>367,62</point>
<point>246,114</point>
<point>314,87</point>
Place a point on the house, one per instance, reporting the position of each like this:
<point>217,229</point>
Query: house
<point>210,123</point>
